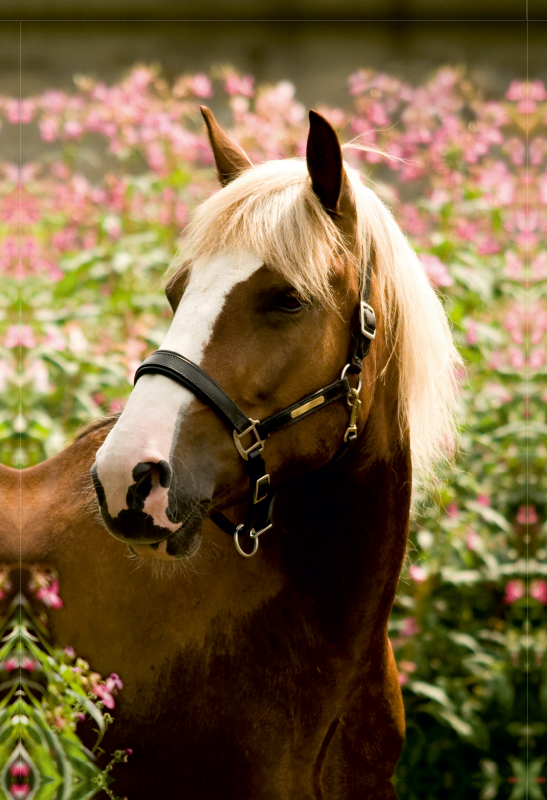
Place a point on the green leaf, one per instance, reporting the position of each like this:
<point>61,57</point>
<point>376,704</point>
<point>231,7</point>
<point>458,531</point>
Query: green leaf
<point>433,692</point>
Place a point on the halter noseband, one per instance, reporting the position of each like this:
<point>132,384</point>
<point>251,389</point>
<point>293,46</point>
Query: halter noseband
<point>250,434</point>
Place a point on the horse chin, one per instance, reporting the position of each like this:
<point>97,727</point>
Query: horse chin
<point>168,550</point>
<point>183,544</point>
<point>147,551</point>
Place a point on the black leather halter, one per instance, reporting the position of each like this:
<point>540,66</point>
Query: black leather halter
<point>250,434</point>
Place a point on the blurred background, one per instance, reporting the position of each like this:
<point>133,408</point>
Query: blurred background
<point>112,165</point>
<point>315,44</point>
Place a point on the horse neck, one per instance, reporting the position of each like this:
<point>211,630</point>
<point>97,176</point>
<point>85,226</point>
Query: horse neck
<point>345,526</point>
<point>57,496</point>
<point>10,483</point>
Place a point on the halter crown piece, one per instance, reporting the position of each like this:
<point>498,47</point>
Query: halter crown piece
<point>250,434</point>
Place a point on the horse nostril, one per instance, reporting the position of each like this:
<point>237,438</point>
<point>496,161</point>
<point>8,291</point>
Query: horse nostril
<point>145,472</point>
<point>142,471</point>
<point>147,475</point>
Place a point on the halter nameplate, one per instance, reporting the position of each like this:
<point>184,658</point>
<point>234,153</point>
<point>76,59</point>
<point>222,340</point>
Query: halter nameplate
<point>307,407</point>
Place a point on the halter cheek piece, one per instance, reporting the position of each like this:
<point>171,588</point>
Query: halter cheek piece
<point>250,434</point>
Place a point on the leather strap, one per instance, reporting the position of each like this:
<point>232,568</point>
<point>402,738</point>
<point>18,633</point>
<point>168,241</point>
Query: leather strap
<point>364,330</point>
<point>334,391</point>
<point>191,376</point>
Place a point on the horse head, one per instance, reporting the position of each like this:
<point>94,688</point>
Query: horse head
<point>272,319</point>
<point>267,312</point>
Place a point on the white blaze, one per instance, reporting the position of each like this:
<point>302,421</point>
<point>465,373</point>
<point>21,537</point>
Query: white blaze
<point>156,407</point>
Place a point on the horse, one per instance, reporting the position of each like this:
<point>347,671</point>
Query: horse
<point>254,495</point>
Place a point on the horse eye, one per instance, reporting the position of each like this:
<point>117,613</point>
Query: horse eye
<point>288,303</point>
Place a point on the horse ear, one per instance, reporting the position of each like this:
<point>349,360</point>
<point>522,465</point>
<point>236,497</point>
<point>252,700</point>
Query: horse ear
<point>326,168</point>
<point>230,159</point>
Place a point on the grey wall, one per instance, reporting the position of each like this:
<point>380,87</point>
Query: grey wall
<point>275,9</point>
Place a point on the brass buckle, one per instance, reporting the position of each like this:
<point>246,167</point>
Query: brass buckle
<point>354,403</point>
<point>262,487</point>
<point>254,535</point>
<point>244,453</point>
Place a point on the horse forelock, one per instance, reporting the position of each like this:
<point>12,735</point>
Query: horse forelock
<point>272,211</point>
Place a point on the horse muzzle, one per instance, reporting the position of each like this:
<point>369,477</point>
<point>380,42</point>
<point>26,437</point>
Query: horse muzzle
<point>156,520</point>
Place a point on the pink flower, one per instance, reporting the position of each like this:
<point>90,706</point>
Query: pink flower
<point>514,266</point>
<point>436,270</point>
<point>517,358</point>
<point>526,515</point>
<point>70,652</point>
<point>18,790</point>
<point>452,510</point>
<point>114,682</point>
<point>140,78</point>
<point>514,591</point>
<point>537,358</point>
<point>472,540</point>
<point>37,373</point>
<point>418,574</point>
<point>526,94</point>
<point>483,500</point>
<point>359,82</point>
<point>487,247</point>
<point>108,690</point>
<point>409,627</point>
<point>538,148</point>
<point>466,230</point>
<point>201,85</point>
<point>73,129</point>
<point>54,101</point>
<point>19,111</point>
<point>516,148</point>
<point>471,335</point>
<point>54,339</point>
<point>19,335</point>
<point>536,90</point>
<point>538,590</point>
<point>236,85</point>
<point>49,595</point>
<point>19,769</point>
<point>101,691</point>
<point>403,678</point>
<point>10,664</point>
<point>49,129</point>
<point>29,664</point>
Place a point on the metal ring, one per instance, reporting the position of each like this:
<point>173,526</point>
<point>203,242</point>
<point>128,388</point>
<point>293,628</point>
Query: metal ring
<point>238,546</point>
<point>360,384</point>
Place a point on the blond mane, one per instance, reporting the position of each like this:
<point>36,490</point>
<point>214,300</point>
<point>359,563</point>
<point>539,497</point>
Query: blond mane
<point>272,210</point>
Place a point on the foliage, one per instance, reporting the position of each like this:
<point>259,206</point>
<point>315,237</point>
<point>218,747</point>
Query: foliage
<point>100,212</point>
<point>44,693</point>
